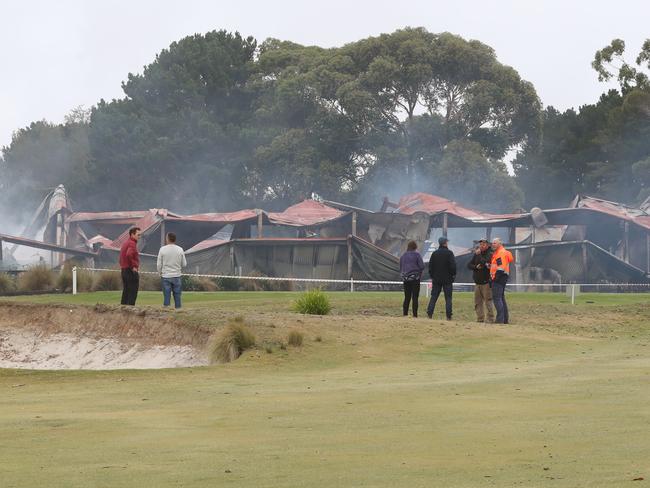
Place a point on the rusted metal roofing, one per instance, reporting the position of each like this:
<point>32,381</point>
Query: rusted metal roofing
<point>306,213</point>
<point>150,220</point>
<point>100,239</point>
<point>624,212</point>
<point>208,243</point>
<point>113,217</point>
<point>225,218</point>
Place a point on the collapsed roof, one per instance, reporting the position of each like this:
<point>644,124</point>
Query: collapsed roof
<point>620,231</point>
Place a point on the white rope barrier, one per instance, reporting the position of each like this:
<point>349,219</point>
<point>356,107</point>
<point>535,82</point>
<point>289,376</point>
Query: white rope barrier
<point>351,282</point>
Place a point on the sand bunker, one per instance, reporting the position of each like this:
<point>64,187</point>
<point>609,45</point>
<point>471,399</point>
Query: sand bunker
<point>28,349</point>
<point>54,337</point>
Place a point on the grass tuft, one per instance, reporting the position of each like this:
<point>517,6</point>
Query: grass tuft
<point>36,278</point>
<point>231,343</point>
<point>313,302</point>
<point>295,338</point>
<point>107,281</point>
<point>64,279</point>
<point>7,283</point>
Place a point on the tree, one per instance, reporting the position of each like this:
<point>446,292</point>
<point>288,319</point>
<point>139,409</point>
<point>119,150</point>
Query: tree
<point>467,175</point>
<point>602,148</point>
<point>178,138</point>
<point>610,62</point>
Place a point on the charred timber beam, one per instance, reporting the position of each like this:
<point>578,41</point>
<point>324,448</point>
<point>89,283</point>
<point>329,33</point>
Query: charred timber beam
<point>647,253</point>
<point>584,262</point>
<point>349,257</point>
<point>162,234</point>
<point>626,242</point>
<point>260,224</point>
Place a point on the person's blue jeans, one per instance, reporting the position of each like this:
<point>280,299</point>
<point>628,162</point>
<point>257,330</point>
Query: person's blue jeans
<point>171,286</point>
<point>436,288</point>
<point>499,300</point>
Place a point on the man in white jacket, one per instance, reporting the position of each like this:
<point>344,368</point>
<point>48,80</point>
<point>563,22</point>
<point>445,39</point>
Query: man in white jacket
<point>171,260</point>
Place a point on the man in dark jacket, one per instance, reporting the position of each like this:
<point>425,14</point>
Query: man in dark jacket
<point>442,269</point>
<point>480,266</point>
<point>130,264</point>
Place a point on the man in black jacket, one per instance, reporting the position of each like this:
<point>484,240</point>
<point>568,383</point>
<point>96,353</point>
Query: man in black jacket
<point>442,269</point>
<point>480,266</point>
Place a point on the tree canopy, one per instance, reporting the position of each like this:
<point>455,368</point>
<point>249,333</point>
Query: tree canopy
<point>602,149</point>
<point>219,121</point>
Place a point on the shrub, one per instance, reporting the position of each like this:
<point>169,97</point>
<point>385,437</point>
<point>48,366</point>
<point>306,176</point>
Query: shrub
<point>229,284</point>
<point>269,285</point>
<point>107,281</point>
<point>7,283</point>
<point>231,343</point>
<point>191,283</point>
<point>295,338</point>
<point>36,278</point>
<point>64,280</point>
<point>313,302</point>
<point>150,282</point>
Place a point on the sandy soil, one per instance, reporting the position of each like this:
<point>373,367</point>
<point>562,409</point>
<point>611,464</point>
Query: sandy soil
<point>28,349</point>
<point>54,337</point>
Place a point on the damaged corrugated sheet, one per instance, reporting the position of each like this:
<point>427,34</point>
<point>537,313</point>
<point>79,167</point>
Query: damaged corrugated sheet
<point>306,214</point>
<point>298,258</point>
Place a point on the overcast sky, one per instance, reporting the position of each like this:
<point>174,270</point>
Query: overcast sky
<point>56,55</point>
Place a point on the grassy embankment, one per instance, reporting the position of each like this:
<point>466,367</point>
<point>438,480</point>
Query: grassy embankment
<point>559,398</point>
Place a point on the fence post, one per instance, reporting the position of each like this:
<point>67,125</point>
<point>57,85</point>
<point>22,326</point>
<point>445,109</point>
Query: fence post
<point>351,285</point>
<point>74,280</point>
<point>573,294</point>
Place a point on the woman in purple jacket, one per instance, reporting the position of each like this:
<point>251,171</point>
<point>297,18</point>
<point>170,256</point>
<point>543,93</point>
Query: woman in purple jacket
<point>411,267</point>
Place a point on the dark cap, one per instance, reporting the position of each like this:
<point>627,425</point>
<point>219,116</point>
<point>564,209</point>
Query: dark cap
<point>442,240</point>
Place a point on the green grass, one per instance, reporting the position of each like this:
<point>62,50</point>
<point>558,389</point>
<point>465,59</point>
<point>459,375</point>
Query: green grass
<point>341,301</point>
<point>558,399</point>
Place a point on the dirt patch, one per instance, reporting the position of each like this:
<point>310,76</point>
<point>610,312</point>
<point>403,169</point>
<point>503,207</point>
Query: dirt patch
<point>74,337</point>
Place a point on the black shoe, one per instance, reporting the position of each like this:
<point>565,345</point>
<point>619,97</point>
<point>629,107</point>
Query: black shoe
<point>448,318</point>
<point>430,315</point>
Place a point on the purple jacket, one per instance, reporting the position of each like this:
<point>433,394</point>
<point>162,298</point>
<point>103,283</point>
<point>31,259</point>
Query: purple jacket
<point>411,262</point>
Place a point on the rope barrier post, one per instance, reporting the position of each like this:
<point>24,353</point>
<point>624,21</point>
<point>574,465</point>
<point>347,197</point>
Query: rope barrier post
<point>74,280</point>
<point>573,294</point>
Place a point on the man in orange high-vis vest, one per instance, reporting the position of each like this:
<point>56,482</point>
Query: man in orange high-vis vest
<point>499,273</point>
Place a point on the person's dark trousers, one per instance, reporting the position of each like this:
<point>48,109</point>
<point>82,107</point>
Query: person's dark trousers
<point>436,288</point>
<point>411,292</point>
<point>130,285</point>
<point>171,286</point>
<point>499,299</point>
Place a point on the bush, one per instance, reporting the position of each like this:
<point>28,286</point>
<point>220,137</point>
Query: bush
<point>313,302</point>
<point>64,280</point>
<point>191,283</point>
<point>235,284</point>
<point>269,285</point>
<point>150,282</point>
<point>295,338</point>
<point>36,278</point>
<point>7,283</point>
<point>107,281</point>
<point>229,284</point>
<point>232,342</point>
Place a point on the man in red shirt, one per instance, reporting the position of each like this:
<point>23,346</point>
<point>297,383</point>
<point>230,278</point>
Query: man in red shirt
<point>130,263</point>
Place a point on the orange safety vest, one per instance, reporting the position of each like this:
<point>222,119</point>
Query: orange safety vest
<point>501,260</point>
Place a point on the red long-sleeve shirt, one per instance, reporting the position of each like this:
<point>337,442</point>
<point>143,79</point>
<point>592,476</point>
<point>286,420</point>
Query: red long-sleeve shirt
<point>129,255</point>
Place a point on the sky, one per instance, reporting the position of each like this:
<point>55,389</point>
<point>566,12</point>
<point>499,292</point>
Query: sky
<point>57,55</point>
